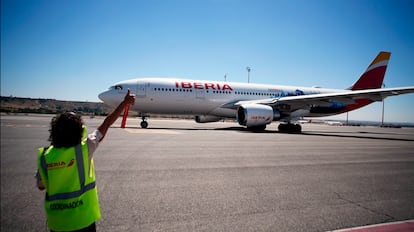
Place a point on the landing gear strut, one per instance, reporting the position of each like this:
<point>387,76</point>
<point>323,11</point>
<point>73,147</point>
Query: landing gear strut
<point>144,123</point>
<point>290,128</point>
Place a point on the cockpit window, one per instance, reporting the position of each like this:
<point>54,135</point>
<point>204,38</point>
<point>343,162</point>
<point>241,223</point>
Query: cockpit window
<point>117,87</point>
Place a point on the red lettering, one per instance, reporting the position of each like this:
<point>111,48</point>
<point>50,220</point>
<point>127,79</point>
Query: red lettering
<point>226,86</point>
<point>209,85</point>
<point>55,165</point>
<point>186,85</point>
<point>198,86</point>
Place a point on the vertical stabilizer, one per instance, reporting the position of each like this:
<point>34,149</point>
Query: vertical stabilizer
<point>373,77</point>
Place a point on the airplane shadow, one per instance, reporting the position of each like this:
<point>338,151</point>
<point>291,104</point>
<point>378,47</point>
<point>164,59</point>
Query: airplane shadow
<point>166,128</point>
<point>337,134</point>
<point>239,129</point>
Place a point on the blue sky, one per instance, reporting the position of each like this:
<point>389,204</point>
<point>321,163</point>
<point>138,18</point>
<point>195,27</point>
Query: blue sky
<point>73,50</point>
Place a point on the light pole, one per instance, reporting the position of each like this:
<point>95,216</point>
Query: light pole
<point>383,106</point>
<point>347,123</point>
<point>248,74</point>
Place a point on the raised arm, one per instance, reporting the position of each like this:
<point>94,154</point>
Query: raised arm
<point>114,115</point>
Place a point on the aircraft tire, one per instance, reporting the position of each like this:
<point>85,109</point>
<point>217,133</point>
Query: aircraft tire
<point>290,128</point>
<point>144,124</point>
<point>297,128</point>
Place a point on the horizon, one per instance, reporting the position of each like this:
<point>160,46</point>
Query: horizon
<point>74,50</point>
<point>325,118</point>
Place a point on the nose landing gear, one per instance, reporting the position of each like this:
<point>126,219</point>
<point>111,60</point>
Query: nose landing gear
<point>144,123</point>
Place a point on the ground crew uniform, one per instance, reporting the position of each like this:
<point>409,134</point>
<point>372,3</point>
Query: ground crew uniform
<point>71,200</point>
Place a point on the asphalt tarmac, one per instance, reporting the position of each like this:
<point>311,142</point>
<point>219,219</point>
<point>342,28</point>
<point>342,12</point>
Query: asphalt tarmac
<point>178,175</point>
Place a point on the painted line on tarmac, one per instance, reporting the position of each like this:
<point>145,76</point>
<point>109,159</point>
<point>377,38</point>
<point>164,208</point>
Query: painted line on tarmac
<point>401,226</point>
<point>149,131</point>
<point>21,126</point>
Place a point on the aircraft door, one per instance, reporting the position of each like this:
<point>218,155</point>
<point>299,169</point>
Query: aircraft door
<point>141,90</point>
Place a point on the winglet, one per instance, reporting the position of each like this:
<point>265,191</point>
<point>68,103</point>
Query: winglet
<point>373,77</point>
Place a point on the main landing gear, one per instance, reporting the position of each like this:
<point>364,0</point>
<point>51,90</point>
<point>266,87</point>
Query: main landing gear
<point>144,123</point>
<point>290,128</point>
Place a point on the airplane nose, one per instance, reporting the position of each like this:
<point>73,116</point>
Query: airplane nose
<point>105,96</point>
<point>110,97</point>
<point>102,96</point>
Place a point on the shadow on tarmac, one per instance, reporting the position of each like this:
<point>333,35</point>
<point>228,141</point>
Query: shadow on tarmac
<point>336,134</point>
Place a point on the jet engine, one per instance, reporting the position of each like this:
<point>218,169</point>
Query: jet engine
<point>207,118</point>
<point>256,115</point>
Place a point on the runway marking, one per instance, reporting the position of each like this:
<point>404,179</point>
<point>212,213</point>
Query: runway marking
<point>149,131</point>
<point>21,126</point>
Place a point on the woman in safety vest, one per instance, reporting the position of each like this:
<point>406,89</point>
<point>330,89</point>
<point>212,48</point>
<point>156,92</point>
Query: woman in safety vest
<point>66,171</point>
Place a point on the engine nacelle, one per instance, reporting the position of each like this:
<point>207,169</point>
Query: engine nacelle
<point>253,115</point>
<point>207,118</point>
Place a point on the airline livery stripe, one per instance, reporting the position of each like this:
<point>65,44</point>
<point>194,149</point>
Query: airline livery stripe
<point>381,57</point>
<point>376,65</point>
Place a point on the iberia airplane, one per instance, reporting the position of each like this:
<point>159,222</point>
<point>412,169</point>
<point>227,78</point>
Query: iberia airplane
<point>253,105</point>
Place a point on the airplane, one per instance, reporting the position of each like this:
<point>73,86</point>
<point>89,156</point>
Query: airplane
<point>252,105</point>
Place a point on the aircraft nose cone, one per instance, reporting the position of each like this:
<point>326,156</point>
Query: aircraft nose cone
<point>111,98</point>
<point>103,96</point>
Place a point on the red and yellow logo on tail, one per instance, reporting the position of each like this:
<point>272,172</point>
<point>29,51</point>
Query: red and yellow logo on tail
<point>373,77</point>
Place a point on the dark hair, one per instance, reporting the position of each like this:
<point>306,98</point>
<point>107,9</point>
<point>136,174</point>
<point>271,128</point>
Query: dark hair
<point>66,130</point>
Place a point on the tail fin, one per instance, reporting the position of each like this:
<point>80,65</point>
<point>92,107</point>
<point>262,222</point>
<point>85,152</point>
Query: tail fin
<point>374,75</point>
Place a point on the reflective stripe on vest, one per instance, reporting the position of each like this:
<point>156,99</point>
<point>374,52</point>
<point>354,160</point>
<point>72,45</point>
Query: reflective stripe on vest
<point>81,173</point>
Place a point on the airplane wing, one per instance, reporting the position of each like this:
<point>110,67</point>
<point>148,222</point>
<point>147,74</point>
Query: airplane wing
<point>346,97</point>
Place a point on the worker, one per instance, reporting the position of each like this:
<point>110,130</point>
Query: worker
<point>66,171</point>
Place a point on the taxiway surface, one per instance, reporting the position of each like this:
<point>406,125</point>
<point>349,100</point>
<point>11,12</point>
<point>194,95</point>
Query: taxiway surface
<point>178,175</point>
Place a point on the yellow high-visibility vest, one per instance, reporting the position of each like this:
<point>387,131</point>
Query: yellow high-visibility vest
<point>71,200</point>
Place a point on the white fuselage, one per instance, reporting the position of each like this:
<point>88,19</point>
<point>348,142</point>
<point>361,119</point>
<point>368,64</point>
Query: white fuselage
<point>197,97</point>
